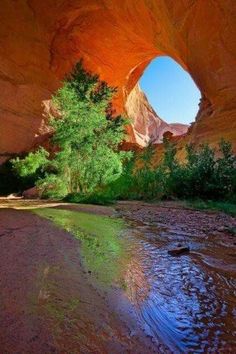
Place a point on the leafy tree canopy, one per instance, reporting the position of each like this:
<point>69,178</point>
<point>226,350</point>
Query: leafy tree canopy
<point>86,136</point>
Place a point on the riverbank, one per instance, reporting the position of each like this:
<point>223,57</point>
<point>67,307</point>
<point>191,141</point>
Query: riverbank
<point>182,218</point>
<point>49,302</point>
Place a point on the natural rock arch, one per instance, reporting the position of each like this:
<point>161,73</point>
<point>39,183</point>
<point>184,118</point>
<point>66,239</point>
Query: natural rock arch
<point>41,40</point>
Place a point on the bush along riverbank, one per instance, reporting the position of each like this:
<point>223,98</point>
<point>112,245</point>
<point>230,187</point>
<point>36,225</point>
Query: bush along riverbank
<point>206,179</point>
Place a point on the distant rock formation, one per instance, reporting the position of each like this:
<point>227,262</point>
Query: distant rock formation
<point>147,126</point>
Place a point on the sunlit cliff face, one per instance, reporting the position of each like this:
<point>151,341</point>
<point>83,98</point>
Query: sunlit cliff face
<point>42,40</point>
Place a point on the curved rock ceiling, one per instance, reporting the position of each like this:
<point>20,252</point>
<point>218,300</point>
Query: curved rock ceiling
<point>41,40</point>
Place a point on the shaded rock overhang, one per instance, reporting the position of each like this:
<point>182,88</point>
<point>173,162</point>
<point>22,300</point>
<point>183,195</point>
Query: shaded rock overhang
<point>42,40</point>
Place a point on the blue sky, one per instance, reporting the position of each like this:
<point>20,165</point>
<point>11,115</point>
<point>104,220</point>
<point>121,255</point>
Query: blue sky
<point>170,90</point>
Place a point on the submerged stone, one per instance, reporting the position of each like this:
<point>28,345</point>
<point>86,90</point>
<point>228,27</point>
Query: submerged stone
<point>179,250</point>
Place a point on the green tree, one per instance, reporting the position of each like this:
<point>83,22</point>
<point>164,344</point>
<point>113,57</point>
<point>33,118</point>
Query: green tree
<point>86,136</point>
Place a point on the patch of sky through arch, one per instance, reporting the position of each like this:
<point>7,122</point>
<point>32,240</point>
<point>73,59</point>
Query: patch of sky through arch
<point>171,91</point>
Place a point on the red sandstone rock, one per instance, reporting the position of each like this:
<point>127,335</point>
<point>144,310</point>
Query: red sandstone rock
<point>32,193</point>
<point>168,135</point>
<point>41,41</point>
<point>146,124</point>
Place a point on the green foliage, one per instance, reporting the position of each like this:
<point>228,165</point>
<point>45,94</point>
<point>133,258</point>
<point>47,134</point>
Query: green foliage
<point>136,183</point>
<point>226,207</point>
<point>18,174</point>
<point>52,186</point>
<point>31,163</point>
<point>146,156</point>
<point>98,198</point>
<point>86,136</point>
<point>205,174</point>
<point>225,172</point>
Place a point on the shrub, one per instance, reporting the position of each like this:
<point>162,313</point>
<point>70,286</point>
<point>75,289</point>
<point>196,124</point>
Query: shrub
<point>204,175</point>
<point>207,176</point>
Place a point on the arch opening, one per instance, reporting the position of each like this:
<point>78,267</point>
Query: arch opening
<point>171,91</point>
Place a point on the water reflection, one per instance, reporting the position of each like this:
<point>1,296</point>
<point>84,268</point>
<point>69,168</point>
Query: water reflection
<point>189,306</point>
<point>102,249</point>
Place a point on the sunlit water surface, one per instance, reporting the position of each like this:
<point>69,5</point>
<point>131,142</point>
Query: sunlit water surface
<point>182,301</point>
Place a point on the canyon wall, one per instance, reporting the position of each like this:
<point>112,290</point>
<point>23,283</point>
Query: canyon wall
<point>41,40</point>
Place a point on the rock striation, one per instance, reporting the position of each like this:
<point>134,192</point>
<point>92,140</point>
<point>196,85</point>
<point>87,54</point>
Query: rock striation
<point>40,41</point>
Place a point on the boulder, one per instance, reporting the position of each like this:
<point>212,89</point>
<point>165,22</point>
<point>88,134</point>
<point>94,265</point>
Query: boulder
<point>179,250</point>
<point>32,193</point>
